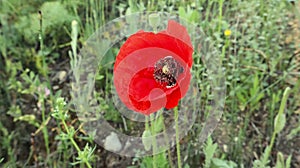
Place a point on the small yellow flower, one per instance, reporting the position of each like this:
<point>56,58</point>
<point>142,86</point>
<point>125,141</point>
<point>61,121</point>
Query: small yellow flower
<point>227,32</point>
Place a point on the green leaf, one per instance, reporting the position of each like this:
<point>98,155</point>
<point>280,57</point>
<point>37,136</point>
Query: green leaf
<point>265,157</point>
<point>194,17</point>
<point>186,166</point>
<point>209,151</point>
<point>241,97</point>
<point>280,120</point>
<point>294,132</point>
<point>182,12</point>
<point>161,160</point>
<point>158,124</point>
<point>109,57</point>
<point>219,163</point>
<point>62,136</point>
<point>279,161</point>
<point>288,162</point>
<point>29,118</point>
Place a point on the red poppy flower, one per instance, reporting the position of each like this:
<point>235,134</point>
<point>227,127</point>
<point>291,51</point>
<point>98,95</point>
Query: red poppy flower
<point>152,70</point>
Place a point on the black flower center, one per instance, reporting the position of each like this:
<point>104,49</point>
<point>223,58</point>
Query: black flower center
<point>166,71</point>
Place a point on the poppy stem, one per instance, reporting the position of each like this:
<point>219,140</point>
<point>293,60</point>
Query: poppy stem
<point>177,137</point>
<point>167,141</point>
<point>154,145</point>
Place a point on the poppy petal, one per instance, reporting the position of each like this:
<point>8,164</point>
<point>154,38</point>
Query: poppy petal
<point>180,44</point>
<point>144,89</point>
<point>178,31</point>
<point>134,69</point>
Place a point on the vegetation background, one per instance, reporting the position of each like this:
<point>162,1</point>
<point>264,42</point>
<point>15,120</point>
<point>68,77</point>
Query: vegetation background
<point>260,53</point>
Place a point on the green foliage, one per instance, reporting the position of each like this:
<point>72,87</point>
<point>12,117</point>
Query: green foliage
<point>134,7</point>
<point>294,132</point>
<point>85,156</point>
<point>190,15</point>
<point>61,114</point>
<point>280,163</point>
<point>279,123</point>
<point>52,20</point>
<point>209,151</point>
<point>160,161</point>
<point>30,118</point>
<point>6,145</point>
<point>219,163</point>
<point>38,126</point>
<point>280,118</point>
<point>158,124</point>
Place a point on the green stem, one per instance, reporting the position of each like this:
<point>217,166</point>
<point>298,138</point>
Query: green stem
<point>45,131</point>
<point>154,145</point>
<point>167,142</point>
<point>44,73</point>
<point>41,39</point>
<point>177,137</point>
<point>220,15</point>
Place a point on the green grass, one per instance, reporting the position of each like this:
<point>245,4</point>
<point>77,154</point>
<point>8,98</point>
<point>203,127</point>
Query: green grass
<point>260,60</point>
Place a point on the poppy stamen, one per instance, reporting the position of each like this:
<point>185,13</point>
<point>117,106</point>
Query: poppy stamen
<point>166,71</point>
